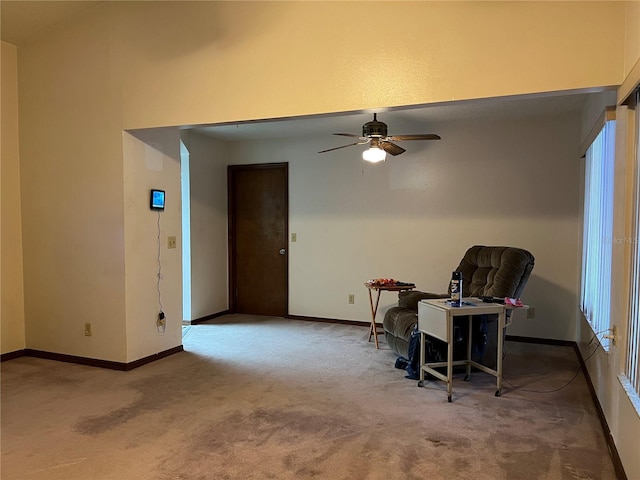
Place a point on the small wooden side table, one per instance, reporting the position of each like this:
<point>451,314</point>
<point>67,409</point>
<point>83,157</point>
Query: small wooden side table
<point>374,307</point>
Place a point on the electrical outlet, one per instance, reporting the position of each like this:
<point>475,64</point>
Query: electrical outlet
<point>162,320</point>
<point>87,329</point>
<point>352,299</point>
<point>171,242</point>
<point>531,312</point>
<point>294,237</point>
<point>613,336</point>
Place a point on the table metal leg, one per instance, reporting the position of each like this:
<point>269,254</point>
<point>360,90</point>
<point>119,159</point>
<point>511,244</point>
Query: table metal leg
<point>449,358</point>
<point>501,322</point>
<point>421,381</point>
<point>469,345</point>
<point>430,322</point>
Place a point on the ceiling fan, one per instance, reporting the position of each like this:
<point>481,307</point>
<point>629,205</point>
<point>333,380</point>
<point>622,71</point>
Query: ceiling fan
<point>374,133</point>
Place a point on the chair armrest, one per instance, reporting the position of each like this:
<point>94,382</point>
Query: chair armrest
<point>410,299</point>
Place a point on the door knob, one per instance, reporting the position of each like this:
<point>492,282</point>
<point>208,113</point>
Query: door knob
<point>282,251</point>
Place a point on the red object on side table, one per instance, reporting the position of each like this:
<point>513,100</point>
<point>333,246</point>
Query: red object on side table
<point>379,285</point>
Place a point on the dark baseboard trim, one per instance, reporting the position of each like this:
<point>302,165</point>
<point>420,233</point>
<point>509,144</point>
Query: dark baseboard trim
<point>154,357</point>
<point>11,355</point>
<point>290,317</point>
<point>209,317</point>
<point>92,362</point>
<point>613,451</point>
<point>61,357</point>
<point>329,320</point>
<point>611,446</point>
<point>541,341</point>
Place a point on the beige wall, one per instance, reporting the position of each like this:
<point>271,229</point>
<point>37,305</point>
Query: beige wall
<point>11,277</point>
<point>631,50</point>
<point>72,193</point>
<point>148,64</point>
<point>623,417</point>
<point>82,85</point>
<point>486,182</point>
<point>208,225</point>
<point>227,61</point>
<point>624,420</point>
<point>152,160</point>
<point>632,36</point>
<point>604,368</point>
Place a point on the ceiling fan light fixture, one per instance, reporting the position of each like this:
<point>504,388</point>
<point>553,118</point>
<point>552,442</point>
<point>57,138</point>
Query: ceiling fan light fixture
<point>375,134</point>
<point>374,155</point>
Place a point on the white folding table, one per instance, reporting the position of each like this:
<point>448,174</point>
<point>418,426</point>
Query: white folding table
<point>435,318</point>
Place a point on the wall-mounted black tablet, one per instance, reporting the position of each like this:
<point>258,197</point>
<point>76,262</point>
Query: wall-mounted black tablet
<point>157,200</point>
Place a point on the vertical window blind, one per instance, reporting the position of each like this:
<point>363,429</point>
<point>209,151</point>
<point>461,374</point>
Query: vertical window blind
<point>632,368</point>
<point>595,294</point>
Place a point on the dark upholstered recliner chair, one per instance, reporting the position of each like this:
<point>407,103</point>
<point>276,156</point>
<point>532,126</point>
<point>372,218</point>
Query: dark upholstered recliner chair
<point>486,271</point>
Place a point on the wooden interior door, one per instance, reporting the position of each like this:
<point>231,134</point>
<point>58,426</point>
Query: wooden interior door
<point>258,233</point>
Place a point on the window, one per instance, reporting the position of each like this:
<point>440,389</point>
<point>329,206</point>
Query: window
<point>595,294</point>
<point>632,367</point>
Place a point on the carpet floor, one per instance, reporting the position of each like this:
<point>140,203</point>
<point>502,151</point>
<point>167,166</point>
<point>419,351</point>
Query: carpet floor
<point>269,398</point>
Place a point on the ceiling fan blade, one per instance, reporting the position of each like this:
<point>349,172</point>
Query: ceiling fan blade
<point>343,146</point>
<point>348,135</point>
<point>421,136</point>
<point>391,148</point>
